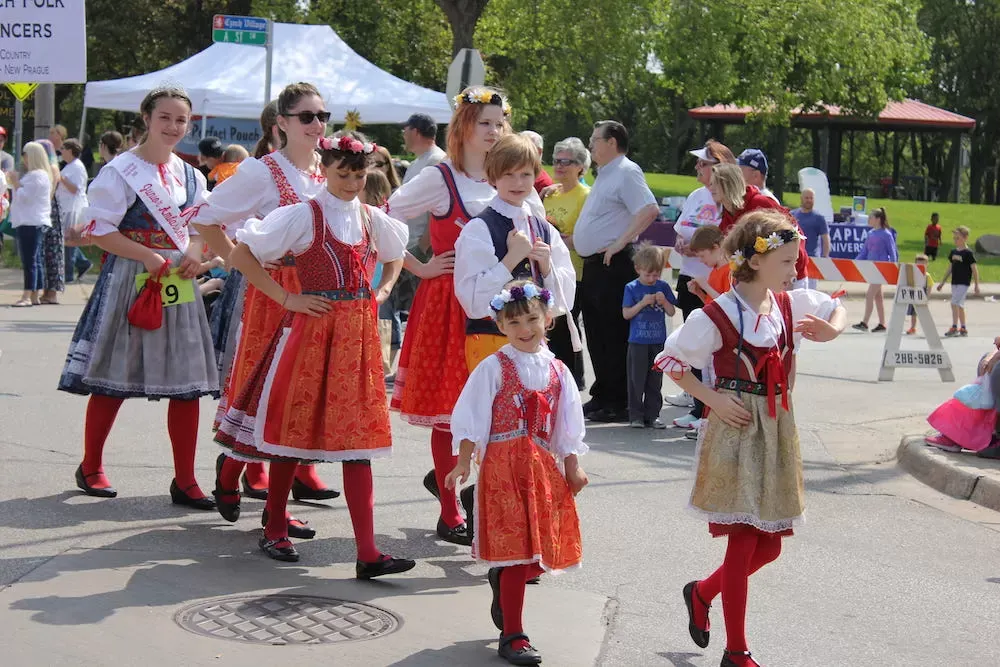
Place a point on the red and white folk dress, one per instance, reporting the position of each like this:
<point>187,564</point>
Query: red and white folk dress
<point>318,391</point>
<point>524,413</point>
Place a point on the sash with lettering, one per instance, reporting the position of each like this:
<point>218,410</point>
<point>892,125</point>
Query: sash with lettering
<point>147,186</point>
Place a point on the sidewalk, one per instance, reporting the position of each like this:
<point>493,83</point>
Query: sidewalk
<point>960,475</point>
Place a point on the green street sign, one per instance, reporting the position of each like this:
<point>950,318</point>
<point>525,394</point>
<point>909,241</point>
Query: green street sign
<point>249,30</point>
<point>240,37</point>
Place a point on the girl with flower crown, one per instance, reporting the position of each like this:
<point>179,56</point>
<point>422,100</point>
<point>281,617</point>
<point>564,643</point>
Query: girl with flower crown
<point>286,176</point>
<point>521,414</point>
<point>318,389</point>
<point>748,482</point>
<point>432,364</point>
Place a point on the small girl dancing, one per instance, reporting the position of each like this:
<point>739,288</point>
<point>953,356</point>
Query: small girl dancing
<point>528,435</point>
<point>748,482</point>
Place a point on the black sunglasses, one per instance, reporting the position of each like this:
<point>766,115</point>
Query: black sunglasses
<point>563,162</point>
<point>307,117</point>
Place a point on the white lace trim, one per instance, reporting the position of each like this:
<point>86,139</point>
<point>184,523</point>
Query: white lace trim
<point>732,519</point>
<point>323,455</point>
<point>536,559</point>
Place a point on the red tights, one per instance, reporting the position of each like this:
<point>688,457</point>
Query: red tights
<point>747,552</point>
<point>512,584</point>
<point>182,427</point>
<point>444,463</point>
<point>257,475</point>
<point>359,493</point>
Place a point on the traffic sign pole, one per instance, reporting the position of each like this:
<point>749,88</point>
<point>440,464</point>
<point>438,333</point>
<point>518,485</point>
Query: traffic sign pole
<point>18,130</point>
<point>270,57</point>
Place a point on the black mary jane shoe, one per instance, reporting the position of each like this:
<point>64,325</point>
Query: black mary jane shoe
<point>728,662</point>
<point>388,565</point>
<point>297,528</point>
<point>493,576</point>
<point>457,535</point>
<point>699,636</point>
<point>81,483</point>
<point>286,553</point>
<point>468,498</point>
<point>180,497</point>
<point>230,511</point>
<point>431,484</point>
<point>250,492</point>
<point>302,492</point>
<point>528,655</point>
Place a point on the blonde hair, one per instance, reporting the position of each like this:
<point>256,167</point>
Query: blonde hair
<point>963,231</point>
<point>750,227</point>
<point>648,257</point>
<point>510,154</point>
<point>706,238</point>
<point>36,159</point>
<point>377,188</point>
<point>235,153</point>
<point>732,187</point>
<point>463,123</point>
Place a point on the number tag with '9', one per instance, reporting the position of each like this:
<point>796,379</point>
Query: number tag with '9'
<point>176,290</point>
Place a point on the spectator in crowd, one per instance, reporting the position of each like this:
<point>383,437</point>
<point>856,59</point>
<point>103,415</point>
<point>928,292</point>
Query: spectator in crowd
<point>30,214</point>
<point>53,280</point>
<point>963,271</point>
<point>110,146</point>
<point>571,160</point>
<point>57,135</point>
<point>210,152</point>
<point>619,208</point>
<point>544,180</point>
<point>419,138</point>
<point>816,231</point>
<point>72,198</point>
<point>880,246</point>
<point>753,164</point>
<point>932,236</point>
<point>6,159</point>
<point>382,161</point>
<point>230,162</point>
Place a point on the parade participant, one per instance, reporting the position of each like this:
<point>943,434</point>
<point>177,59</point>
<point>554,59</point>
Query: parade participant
<point>270,137</point>
<point>282,178</point>
<point>318,390</point>
<point>432,365</point>
<point>521,413</point>
<point>880,246</point>
<point>750,443</point>
<point>134,216</point>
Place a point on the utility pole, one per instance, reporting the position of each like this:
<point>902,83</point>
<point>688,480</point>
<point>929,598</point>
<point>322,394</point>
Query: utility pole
<point>45,110</point>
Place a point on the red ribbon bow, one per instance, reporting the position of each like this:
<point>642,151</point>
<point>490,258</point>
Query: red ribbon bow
<point>536,409</point>
<point>774,371</point>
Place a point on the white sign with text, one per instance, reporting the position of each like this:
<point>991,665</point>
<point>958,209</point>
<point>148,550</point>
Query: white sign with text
<point>43,41</point>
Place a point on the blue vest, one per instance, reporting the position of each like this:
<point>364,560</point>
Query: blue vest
<point>138,217</point>
<point>499,227</point>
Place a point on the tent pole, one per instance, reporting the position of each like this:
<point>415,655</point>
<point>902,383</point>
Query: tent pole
<point>204,125</point>
<point>83,124</point>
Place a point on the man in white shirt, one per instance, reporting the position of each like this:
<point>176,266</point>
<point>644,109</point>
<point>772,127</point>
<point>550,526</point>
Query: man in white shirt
<point>753,164</point>
<point>71,195</point>
<point>620,207</point>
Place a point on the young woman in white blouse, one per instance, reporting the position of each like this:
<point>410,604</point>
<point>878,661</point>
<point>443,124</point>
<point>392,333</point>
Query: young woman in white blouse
<point>30,214</point>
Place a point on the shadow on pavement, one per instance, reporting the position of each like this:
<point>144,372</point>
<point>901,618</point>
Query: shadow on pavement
<point>456,654</point>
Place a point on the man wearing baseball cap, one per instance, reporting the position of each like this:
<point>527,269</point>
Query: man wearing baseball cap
<point>6,159</point>
<point>753,164</point>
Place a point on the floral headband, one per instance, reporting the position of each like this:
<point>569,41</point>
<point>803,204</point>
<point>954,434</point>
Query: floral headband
<point>483,96</point>
<point>529,291</point>
<point>764,245</point>
<point>346,144</point>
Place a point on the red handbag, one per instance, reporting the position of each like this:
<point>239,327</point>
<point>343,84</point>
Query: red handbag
<point>147,311</point>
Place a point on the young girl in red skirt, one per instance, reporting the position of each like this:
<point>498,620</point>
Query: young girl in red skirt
<point>319,392</point>
<point>432,363</point>
<point>520,413</point>
<point>748,482</point>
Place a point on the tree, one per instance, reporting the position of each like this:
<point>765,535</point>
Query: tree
<point>463,15</point>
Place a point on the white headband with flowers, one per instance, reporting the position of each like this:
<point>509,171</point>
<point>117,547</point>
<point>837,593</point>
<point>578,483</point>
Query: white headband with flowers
<point>764,245</point>
<point>347,144</point>
<point>483,96</point>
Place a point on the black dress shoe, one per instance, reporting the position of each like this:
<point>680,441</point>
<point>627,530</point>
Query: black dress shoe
<point>179,497</point>
<point>431,484</point>
<point>457,535</point>
<point>81,483</point>
<point>250,492</point>
<point>606,416</point>
<point>297,528</point>
<point>388,565</point>
<point>524,656</point>
<point>230,511</point>
<point>302,492</point>
<point>699,636</point>
<point>729,662</point>
<point>493,576</point>
<point>591,406</point>
<point>286,552</point>
<point>468,498</point>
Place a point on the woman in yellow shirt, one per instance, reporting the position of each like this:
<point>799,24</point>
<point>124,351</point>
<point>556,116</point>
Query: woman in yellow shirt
<point>571,160</point>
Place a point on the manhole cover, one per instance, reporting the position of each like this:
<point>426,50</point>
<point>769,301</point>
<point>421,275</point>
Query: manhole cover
<point>287,619</point>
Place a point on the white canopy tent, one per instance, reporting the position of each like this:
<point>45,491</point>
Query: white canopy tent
<point>227,80</point>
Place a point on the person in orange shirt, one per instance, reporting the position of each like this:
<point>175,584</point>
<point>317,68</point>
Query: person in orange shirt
<point>231,158</point>
<point>706,244</point>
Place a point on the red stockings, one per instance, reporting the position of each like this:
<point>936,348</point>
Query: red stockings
<point>101,413</point>
<point>512,584</point>
<point>444,463</point>
<point>306,473</point>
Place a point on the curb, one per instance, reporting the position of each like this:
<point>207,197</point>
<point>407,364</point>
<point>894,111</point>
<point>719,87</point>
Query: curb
<point>951,473</point>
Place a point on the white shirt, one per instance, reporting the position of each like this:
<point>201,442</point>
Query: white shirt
<point>290,229</point>
<point>70,203</point>
<point>479,275</point>
<point>418,224</point>
<point>109,196</point>
<point>252,193</point>
<point>619,192</point>
<point>767,192</point>
<point>472,417</point>
<point>427,193</point>
<point>699,210</point>
<point>695,341</point>
<point>32,200</point>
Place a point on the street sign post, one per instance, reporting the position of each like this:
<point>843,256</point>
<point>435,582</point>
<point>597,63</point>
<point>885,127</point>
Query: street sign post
<point>248,31</point>
<point>21,91</point>
<point>467,69</point>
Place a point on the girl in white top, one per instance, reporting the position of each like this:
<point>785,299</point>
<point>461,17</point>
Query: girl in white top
<point>287,176</point>
<point>30,215</point>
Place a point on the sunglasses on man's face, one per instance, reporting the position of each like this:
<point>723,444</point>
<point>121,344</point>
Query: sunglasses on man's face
<point>307,117</point>
<point>563,162</point>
